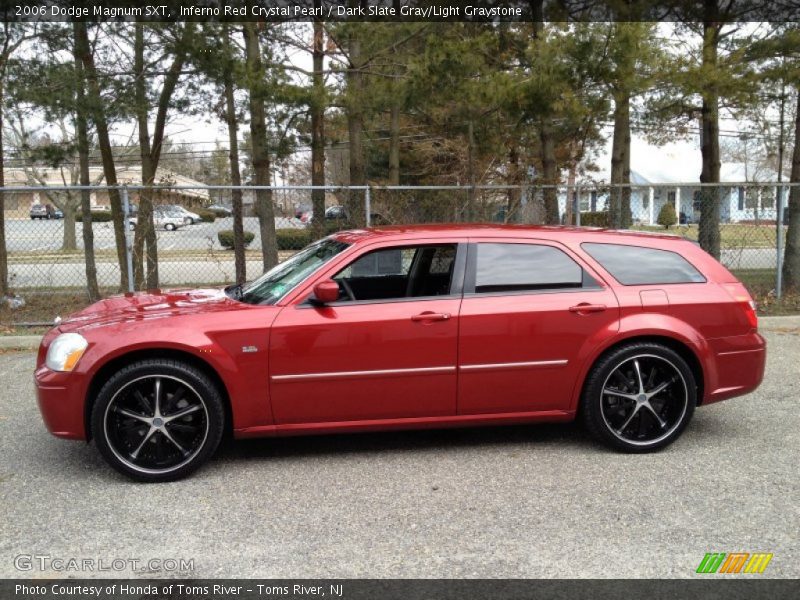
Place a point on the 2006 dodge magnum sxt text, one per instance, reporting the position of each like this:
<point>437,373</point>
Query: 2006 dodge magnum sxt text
<point>409,327</point>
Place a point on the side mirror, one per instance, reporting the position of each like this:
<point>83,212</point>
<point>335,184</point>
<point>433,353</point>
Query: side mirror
<point>326,292</point>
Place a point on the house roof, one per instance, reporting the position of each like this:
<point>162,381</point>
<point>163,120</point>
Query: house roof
<point>675,162</point>
<point>127,175</point>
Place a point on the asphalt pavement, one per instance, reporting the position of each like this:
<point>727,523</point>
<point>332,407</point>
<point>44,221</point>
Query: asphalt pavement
<point>532,501</point>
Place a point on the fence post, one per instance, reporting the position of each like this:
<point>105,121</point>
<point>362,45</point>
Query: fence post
<point>651,195</point>
<point>779,245</point>
<point>126,206</point>
<point>367,205</point>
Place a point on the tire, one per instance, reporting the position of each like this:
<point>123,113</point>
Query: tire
<point>170,227</point>
<point>164,441</point>
<point>616,412</point>
<point>188,221</point>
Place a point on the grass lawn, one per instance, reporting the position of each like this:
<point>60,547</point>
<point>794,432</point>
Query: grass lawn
<point>761,284</point>
<point>732,235</point>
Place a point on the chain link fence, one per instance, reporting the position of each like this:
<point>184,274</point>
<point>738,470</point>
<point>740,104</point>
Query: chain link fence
<point>45,236</point>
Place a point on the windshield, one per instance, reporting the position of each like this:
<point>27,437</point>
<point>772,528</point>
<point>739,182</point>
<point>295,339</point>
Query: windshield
<point>281,279</point>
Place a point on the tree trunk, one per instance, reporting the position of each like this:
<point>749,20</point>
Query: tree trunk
<point>355,128</point>
<point>548,151</point>
<point>145,230</point>
<point>620,207</point>
<point>3,251</point>
<point>260,148</point>
<point>240,259</point>
<point>394,121</point>
<point>708,233</point>
<point>70,242</point>
<point>514,178</point>
<point>549,172</point>
<point>82,134</point>
<point>318,131</point>
<point>394,144</point>
<point>95,108</point>
<point>470,215</point>
<point>791,256</point>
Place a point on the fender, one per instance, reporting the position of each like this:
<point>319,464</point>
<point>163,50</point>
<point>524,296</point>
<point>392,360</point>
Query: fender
<point>641,324</point>
<point>239,356</point>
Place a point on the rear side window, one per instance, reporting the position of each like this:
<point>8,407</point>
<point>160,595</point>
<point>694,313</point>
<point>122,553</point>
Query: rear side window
<point>635,265</point>
<point>521,267</point>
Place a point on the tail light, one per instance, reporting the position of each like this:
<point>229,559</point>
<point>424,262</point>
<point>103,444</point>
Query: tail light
<point>742,297</point>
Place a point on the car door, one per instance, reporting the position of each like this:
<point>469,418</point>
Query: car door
<point>532,312</point>
<point>388,352</point>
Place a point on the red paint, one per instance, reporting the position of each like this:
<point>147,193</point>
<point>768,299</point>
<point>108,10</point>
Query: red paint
<point>440,361</point>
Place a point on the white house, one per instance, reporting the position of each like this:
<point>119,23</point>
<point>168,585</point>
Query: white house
<point>671,174</point>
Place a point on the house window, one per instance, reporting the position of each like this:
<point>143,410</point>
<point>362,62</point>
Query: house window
<point>594,201</point>
<point>697,201</point>
<point>646,201</point>
<point>751,198</point>
<point>671,196</point>
<point>767,200</point>
<point>740,200</point>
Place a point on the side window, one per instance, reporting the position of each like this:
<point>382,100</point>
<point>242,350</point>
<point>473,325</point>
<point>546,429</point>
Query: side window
<point>636,265</point>
<point>521,267</point>
<point>394,273</point>
<point>381,263</point>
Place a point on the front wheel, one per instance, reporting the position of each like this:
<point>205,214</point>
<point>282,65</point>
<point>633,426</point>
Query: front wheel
<point>158,420</point>
<point>639,397</point>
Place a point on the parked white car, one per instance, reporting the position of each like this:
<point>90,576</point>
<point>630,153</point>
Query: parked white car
<point>189,218</point>
<point>162,220</point>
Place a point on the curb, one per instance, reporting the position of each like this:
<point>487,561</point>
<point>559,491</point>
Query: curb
<point>31,342</point>
<point>772,323</point>
<point>20,342</point>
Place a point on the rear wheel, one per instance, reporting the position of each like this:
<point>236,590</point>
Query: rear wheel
<point>169,227</point>
<point>158,420</point>
<point>639,397</point>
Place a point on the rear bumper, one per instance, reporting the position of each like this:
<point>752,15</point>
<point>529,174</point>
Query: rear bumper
<point>737,366</point>
<point>61,402</point>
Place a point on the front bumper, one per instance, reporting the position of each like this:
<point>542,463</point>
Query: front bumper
<point>61,398</point>
<point>737,366</point>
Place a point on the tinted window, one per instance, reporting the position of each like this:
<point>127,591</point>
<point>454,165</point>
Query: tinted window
<point>519,267</point>
<point>394,261</point>
<point>634,265</point>
<point>393,273</point>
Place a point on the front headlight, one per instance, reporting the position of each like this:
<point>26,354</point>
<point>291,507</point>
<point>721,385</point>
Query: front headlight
<point>65,351</point>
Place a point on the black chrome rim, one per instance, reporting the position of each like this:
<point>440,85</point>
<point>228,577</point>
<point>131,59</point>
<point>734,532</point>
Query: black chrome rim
<point>644,399</point>
<point>156,423</point>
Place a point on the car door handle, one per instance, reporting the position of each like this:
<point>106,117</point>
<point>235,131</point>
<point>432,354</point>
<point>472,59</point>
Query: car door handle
<point>584,308</point>
<point>428,317</point>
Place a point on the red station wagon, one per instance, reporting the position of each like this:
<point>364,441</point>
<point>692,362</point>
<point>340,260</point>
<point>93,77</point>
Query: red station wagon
<point>409,327</point>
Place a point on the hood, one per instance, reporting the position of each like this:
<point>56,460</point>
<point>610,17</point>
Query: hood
<point>155,304</point>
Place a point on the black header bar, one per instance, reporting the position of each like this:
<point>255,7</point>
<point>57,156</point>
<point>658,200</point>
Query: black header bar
<point>401,10</point>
